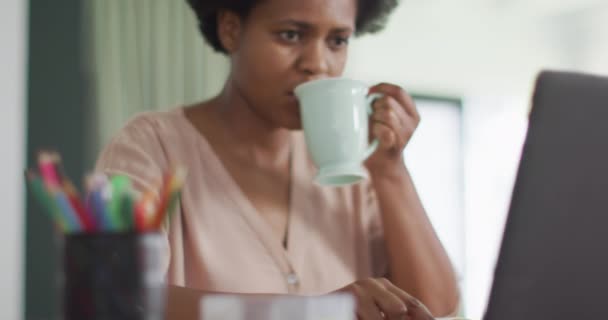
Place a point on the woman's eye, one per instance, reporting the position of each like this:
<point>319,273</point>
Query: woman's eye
<point>339,42</point>
<point>290,35</point>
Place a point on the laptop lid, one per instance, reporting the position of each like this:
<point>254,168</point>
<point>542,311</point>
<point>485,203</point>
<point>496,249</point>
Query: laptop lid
<point>553,262</point>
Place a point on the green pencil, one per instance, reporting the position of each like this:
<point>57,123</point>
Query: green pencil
<point>44,199</point>
<point>121,185</point>
<point>175,195</point>
<point>126,210</point>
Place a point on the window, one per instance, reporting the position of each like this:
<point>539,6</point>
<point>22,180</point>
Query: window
<point>435,158</point>
<point>463,159</point>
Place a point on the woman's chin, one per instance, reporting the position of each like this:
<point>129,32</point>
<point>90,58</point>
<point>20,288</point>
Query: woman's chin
<point>293,124</point>
<point>293,120</point>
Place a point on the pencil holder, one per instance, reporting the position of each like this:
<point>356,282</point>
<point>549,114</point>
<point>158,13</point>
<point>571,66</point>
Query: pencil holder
<point>115,276</point>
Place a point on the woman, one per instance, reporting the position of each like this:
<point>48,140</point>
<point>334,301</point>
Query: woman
<point>251,219</point>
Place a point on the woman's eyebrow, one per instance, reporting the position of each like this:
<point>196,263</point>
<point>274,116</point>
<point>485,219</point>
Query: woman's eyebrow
<point>307,25</point>
<point>342,30</point>
<point>297,23</point>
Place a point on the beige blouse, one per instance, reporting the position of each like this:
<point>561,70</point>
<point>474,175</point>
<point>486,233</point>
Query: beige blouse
<point>218,242</point>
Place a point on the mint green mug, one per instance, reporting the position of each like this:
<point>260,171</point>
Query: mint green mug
<point>335,116</point>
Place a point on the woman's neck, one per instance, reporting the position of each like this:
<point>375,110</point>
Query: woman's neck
<point>247,132</point>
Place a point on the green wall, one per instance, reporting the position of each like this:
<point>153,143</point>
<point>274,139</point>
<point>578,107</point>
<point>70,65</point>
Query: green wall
<point>56,119</point>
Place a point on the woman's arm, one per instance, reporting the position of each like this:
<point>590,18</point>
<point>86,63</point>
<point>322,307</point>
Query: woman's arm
<point>183,303</point>
<point>418,263</point>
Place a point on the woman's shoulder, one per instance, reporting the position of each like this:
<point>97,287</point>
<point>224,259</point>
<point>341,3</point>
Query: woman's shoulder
<point>143,145</point>
<point>156,123</point>
<point>155,131</point>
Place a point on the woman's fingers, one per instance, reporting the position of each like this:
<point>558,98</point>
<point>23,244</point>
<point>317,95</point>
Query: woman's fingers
<point>387,109</point>
<point>385,135</point>
<point>391,124</point>
<point>367,309</point>
<point>379,299</point>
<point>387,122</point>
<point>397,93</point>
<point>416,309</point>
<point>391,305</point>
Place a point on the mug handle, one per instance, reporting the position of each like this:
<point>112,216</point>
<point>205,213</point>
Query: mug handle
<point>374,145</point>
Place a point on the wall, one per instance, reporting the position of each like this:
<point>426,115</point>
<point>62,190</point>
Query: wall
<point>582,38</point>
<point>456,48</point>
<point>57,118</point>
<point>12,109</point>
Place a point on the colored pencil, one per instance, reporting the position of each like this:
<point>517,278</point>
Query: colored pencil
<point>47,170</point>
<point>110,205</point>
<point>126,209</point>
<point>66,210</point>
<point>119,185</point>
<point>46,201</point>
<point>96,184</point>
<point>84,216</point>
<point>144,210</point>
<point>174,181</point>
<point>97,206</point>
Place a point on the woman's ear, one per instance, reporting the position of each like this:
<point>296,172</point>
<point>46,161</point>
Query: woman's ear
<point>229,27</point>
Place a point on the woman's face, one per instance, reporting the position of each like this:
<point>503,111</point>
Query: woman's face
<point>284,43</point>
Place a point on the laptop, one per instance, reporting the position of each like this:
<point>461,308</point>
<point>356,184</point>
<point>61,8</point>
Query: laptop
<point>553,262</point>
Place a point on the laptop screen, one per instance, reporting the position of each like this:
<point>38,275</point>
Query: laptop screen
<point>553,263</point>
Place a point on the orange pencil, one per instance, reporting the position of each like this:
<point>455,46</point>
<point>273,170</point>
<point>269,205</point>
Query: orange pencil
<point>172,185</point>
<point>144,209</point>
<point>163,200</point>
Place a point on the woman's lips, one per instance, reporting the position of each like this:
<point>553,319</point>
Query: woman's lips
<point>292,97</point>
<point>294,103</point>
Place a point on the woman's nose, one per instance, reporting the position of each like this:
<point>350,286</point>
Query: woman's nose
<point>314,60</point>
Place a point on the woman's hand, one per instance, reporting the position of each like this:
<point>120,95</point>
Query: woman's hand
<point>379,299</point>
<point>393,123</point>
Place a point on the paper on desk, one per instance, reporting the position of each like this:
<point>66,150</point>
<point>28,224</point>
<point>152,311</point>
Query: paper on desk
<point>232,307</point>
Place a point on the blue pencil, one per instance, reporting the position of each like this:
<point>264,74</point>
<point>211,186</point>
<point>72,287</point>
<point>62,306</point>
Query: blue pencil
<point>66,209</point>
<point>98,206</point>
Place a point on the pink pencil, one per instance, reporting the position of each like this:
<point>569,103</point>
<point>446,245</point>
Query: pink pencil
<point>46,165</point>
